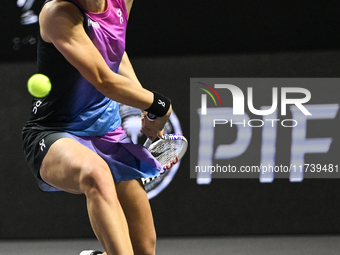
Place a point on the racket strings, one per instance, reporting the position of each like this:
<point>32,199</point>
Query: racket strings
<point>165,150</point>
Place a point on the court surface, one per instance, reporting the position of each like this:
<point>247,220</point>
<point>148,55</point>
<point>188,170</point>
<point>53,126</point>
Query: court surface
<point>253,245</point>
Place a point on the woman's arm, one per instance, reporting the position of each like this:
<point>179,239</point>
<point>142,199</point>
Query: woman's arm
<point>126,69</point>
<point>61,23</point>
<point>128,4</point>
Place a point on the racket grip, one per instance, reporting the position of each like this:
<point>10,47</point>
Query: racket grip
<point>147,143</point>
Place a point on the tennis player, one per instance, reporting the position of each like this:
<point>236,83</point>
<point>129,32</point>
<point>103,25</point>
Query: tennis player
<point>73,140</point>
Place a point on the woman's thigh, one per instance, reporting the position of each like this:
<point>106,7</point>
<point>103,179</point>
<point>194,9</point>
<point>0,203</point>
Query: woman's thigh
<point>67,162</point>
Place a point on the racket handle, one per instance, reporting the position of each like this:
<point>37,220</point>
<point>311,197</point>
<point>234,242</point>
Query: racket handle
<point>147,143</point>
<point>151,117</point>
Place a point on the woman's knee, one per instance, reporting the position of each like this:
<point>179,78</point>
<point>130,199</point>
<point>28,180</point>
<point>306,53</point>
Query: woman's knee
<point>94,175</point>
<point>147,246</point>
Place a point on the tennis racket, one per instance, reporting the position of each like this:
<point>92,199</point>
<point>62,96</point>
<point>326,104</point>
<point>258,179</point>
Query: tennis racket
<point>131,121</point>
<point>168,150</point>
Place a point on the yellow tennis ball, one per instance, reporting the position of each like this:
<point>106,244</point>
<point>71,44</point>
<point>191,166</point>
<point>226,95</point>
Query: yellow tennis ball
<point>39,85</point>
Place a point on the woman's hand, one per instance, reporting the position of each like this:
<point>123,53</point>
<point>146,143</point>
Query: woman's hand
<point>154,128</point>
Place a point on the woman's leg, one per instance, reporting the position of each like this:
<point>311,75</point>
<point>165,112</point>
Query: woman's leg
<point>72,167</point>
<point>136,206</point>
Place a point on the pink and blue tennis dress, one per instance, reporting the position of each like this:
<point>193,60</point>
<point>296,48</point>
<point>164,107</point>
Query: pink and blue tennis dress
<point>75,109</point>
